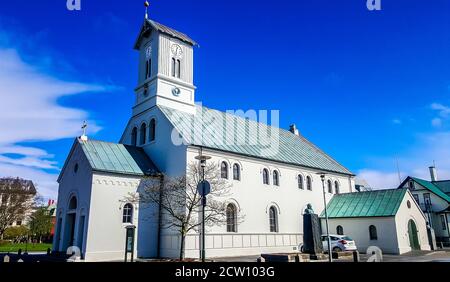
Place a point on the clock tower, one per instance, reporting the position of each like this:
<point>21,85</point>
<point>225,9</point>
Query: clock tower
<point>165,69</point>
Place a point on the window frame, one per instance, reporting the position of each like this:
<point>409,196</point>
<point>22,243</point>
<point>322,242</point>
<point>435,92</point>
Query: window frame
<point>300,182</point>
<point>266,178</point>
<point>143,134</point>
<point>127,214</point>
<point>231,218</point>
<point>152,130</point>
<point>373,233</point>
<point>273,219</point>
<point>236,172</point>
<point>224,170</point>
<point>276,178</point>
<point>308,183</point>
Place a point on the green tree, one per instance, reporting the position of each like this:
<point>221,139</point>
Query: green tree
<point>16,233</point>
<point>40,223</point>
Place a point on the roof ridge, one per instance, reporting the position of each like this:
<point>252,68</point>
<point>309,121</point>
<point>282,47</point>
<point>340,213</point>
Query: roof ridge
<point>285,131</point>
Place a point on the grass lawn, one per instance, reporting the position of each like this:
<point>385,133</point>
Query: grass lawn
<point>13,248</point>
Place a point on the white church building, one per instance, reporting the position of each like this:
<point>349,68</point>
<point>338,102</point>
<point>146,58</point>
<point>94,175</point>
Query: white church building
<point>272,179</point>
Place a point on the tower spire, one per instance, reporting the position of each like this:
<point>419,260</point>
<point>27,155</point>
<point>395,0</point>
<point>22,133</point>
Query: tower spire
<point>146,4</point>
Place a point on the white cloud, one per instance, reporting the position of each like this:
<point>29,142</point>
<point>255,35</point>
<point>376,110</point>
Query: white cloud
<point>436,122</point>
<point>29,112</point>
<point>444,111</point>
<point>397,121</point>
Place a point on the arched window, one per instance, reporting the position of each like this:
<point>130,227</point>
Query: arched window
<point>127,214</point>
<point>134,136</point>
<point>336,187</point>
<point>339,230</point>
<point>308,183</point>
<point>330,186</point>
<point>373,232</point>
<point>273,219</point>
<point>73,203</point>
<point>178,68</point>
<point>152,134</point>
<point>276,178</point>
<point>148,68</point>
<point>300,181</point>
<point>265,176</point>
<point>174,66</point>
<point>224,170</point>
<point>231,218</point>
<point>236,172</point>
<point>143,134</point>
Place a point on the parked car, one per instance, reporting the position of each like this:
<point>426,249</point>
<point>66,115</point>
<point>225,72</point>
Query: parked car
<point>339,243</point>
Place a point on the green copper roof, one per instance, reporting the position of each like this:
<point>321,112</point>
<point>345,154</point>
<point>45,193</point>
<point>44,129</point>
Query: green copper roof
<point>432,187</point>
<point>211,128</point>
<point>365,204</point>
<point>117,158</point>
<point>443,185</point>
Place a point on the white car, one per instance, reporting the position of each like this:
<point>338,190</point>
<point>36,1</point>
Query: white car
<point>339,243</point>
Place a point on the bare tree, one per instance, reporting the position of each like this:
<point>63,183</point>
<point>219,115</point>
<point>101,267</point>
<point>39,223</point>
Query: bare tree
<point>16,201</point>
<point>180,202</point>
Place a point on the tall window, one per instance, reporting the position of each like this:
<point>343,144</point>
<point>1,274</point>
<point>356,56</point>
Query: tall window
<point>265,176</point>
<point>273,219</point>
<point>231,218</point>
<point>152,130</point>
<point>276,178</point>
<point>236,172</point>
<point>443,222</point>
<point>308,183</point>
<point>300,181</point>
<point>373,232</point>
<point>330,186</point>
<point>127,214</point>
<point>416,197</point>
<point>174,65</point>
<point>143,134</point>
<point>336,187</point>
<point>224,170</point>
<point>73,203</point>
<point>148,68</point>
<point>339,230</point>
<point>134,136</point>
<point>176,68</point>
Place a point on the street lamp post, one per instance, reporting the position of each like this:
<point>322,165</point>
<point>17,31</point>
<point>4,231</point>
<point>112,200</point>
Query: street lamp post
<point>322,177</point>
<point>202,158</point>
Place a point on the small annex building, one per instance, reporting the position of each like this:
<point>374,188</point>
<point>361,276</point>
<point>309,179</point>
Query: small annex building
<point>388,219</point>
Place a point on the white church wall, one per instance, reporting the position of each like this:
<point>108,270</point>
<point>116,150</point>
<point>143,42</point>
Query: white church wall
<point>358,230</point>
<point>253,200</point>
<point>106,239</point>
<point>78,184</point>
<point>403,216</point>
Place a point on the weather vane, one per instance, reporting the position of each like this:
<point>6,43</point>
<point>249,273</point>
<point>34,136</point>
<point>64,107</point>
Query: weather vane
<point>146,4</point>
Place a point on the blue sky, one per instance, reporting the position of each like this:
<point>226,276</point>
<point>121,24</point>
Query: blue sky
<point>368,87</point>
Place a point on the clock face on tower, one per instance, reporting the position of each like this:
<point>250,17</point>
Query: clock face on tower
<point>177,52</point>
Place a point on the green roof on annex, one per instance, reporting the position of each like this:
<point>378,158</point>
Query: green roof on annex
<point>379,203</point>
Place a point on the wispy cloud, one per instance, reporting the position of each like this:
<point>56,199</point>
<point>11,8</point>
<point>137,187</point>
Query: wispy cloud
<point>413,162</point>
<point>29,111</point>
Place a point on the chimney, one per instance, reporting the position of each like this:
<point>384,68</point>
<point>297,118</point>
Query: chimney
<point>433,173</point>
<point>293,129</point>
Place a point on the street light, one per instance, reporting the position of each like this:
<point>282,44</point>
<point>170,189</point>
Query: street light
<point>322,177</point>
<point>202,158</point>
